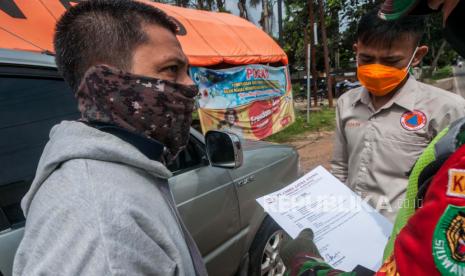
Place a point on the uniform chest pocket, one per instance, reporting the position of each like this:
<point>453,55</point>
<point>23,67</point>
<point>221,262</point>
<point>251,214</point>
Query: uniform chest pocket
<point>401,151</point>
<point>408,139</point>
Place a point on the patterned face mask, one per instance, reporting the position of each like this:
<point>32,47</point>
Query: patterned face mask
<point>158,109</point>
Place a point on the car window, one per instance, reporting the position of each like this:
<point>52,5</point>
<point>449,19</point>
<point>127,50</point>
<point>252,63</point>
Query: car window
<point>192,157</point>
<point>29,107</point>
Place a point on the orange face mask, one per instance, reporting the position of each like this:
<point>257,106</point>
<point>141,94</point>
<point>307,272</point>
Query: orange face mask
<point>379,79</point>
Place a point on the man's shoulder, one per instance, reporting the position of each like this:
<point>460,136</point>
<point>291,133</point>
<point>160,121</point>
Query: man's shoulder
<point>350,96</point>
<point>101,180</point>
<point>104,189</point>
<point>439,96</point>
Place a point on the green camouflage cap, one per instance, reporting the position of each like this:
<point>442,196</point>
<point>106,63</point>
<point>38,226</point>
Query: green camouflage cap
<point>395,9</point>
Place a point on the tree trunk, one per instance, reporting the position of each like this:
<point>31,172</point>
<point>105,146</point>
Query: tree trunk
<point>280,21</point>
<point>329,81</point>
<point>200,5</point>
<point>182,3</point>
<point>209,5</point>
<point>311,17</point>
<point>434,65</point>
<point>242,6</point>
<point>220,5</point>
<point>265,17</point>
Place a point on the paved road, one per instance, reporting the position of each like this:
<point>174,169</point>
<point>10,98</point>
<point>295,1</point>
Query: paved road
<point>459,85</point>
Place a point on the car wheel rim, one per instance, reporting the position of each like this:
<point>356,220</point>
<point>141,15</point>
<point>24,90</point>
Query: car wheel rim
<point>272,264</point>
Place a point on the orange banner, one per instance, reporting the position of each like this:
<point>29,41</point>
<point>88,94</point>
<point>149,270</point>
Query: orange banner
<point>207,38</point>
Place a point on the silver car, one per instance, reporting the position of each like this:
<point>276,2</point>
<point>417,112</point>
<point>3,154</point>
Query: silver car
<point>216,200</point>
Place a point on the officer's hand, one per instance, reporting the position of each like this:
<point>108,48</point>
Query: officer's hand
<point>301,255</point>
<point>302,245</point>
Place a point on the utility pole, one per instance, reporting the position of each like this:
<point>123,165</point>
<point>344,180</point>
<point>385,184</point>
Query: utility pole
<point>308,74</point>
<point>311,17</point>
<point>309,95</point>
<point>280,20</point>
<point>329,81</point>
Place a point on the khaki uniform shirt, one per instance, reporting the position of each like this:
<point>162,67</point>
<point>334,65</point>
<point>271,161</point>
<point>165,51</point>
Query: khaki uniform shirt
<point>375,150</point>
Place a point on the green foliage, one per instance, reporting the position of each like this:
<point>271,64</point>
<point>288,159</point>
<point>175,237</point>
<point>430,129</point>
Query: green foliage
<point>433,38</point>
<point>296,88</point>
<point>319,121</point>
<point>341,20</point>
<point>210,5</point>
<point>442,73</point>
<point>295,24</point>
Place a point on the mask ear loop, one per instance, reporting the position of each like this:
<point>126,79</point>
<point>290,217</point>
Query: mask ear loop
<point>411,59</point>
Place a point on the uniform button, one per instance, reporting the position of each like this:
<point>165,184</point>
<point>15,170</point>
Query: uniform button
<point>367,144</point>
<point>363,169</point>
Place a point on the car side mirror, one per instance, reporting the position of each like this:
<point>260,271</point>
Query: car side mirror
<point>224,149</point>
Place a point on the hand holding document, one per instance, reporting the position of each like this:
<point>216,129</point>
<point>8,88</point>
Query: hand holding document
<point>348,232</point>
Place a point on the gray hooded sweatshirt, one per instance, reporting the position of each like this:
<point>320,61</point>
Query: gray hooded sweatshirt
<point>96,207</point>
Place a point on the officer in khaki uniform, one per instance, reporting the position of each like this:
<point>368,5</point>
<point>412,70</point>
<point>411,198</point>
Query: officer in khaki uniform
<point>428,237</point>
<point>384,126</point>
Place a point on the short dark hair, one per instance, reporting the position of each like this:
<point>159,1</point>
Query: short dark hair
<point>103,31</point>
<point>375,31</point>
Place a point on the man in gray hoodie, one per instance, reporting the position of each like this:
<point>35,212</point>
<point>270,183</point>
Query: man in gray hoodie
<point>100,203</point>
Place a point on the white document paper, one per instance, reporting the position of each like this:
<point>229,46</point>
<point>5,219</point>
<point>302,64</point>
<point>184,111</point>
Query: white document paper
<point>348,232</point>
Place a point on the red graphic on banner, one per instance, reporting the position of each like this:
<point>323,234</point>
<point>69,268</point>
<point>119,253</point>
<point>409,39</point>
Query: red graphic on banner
<point>261,122</point>
<point>286,121</point>
<point>276,103</point>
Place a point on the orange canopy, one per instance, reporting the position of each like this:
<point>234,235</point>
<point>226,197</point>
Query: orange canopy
<point>208,38</point>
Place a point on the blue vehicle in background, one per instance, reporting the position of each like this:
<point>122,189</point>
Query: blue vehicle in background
<point>344,86</point>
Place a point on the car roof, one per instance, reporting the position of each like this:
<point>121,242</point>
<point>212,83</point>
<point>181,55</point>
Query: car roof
<point>26,58</point>
<point>15,57</point>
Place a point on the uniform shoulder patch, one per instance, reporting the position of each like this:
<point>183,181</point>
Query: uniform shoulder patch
<point>413,120</point>
<point>449,241</point>
<point>456,184</point>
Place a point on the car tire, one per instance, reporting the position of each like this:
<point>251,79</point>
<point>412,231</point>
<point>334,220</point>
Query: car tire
<point>264,251</point>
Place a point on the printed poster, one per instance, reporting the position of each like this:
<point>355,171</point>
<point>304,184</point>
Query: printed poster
<point>237,86</point>
<point>255,121</point>
<point>253,101</point>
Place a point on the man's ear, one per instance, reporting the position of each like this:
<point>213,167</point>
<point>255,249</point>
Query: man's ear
<point>421,52</point>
